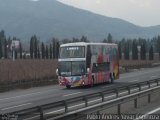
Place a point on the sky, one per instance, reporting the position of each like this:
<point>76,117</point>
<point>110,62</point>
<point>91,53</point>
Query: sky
<point>139,12</point>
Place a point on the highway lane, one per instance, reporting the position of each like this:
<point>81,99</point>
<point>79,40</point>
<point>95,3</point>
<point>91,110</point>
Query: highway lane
<point>20,99</point>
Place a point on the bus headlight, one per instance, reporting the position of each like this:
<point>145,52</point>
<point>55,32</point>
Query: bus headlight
<point>57,72</point>
<point>87,70</point>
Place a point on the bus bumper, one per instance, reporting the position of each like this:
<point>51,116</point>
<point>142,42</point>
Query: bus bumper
<point>71,81</point>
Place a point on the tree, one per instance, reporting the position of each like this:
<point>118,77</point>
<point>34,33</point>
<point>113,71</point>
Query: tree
<point>43,50</point>
<point>126,51</point>
<point>2,35</point>
<point>50,51</point>
<point>38,53</point>
<point>2,38</point>
<point>5,49</point>
<point>47,55</point>
<point>20,50</point>
<point>120,50</point>
<point>143,51</point>
<point>16,55</point>
<point>134,50</point>
<point>57,49</point>
<point>105,41</point>
<point>1,50</point>
<point>32,47</point>
<point>158,45</point>
<point>109,38</point>
<point>35,47</point>
<point>151,55</point>
<point>54,47</point>
<point>83,39</point>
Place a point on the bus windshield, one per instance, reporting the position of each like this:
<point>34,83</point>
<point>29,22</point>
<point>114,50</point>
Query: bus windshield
<point>74,68</point>
<point>72,52</point>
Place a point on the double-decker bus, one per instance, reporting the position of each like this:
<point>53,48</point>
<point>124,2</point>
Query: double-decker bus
<point>81,64</point>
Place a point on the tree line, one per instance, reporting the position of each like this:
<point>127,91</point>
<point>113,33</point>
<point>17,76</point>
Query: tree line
<point>139,48</point>
<point>38,50</point>
<point>128,48</point>
<point>5,47</point>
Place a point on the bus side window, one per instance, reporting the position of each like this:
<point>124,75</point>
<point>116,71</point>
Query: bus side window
<point>95,68</point>
<point>100,67</point>
<point>88,57</point>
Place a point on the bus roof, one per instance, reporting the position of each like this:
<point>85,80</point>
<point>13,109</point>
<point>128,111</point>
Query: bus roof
<point>85,44</point>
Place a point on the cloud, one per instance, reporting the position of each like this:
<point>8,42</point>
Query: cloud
<point>141,3</point>
<point>98,1</point>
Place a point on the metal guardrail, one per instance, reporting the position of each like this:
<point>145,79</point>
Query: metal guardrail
<point>95,102</point>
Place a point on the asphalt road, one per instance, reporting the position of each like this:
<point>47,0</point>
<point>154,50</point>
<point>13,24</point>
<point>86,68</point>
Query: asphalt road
<point>20,99</point>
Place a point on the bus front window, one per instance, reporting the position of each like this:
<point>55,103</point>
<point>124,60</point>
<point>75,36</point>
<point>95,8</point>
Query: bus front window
<point>64,68</point>
<point>74,68</point>
<point>78,68</point>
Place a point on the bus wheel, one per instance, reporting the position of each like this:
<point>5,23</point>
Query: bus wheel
<point>111,78</point>
<point>68,86</point>
<point>92,83</point>
<point>114,77</point>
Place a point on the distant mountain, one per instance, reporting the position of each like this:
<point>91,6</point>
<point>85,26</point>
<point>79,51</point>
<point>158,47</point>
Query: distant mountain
<point>50,18</point>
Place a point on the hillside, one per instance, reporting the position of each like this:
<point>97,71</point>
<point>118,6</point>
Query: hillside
<point>50,18</point>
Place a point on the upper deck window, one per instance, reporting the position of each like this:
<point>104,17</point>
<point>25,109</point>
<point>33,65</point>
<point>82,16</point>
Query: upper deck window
<point>72,52</point>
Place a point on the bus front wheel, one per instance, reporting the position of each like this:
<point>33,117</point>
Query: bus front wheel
<point>111,78</point>
<point>68,86</point>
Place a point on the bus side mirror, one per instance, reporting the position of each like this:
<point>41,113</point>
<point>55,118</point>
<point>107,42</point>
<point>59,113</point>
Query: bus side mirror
<point>57,72</point>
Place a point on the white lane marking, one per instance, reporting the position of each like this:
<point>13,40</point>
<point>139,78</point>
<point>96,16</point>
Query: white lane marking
<point>57,110</point>
<point>108,86</point>
<point>110,96</point>
<point>145,115</point>
<point>72,94</point>
<point>31,118</point>
<point>16,106</point>
<point>24,95</point>
<point>154,76</point>
<point>153,111</point>
<point>140,73</point>
<point>123,92</point>
<point>133,80</point>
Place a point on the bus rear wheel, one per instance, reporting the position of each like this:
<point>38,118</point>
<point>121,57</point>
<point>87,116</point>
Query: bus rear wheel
<point>111,78</point>
<point>68,86</point>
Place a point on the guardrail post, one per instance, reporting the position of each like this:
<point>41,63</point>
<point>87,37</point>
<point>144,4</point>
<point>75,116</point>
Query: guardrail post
<point>41,113</point>
<point>86,101</point>
<point>98,114</point>
<point>139,85</point>
<point>135,103</point>
<point>157,81</point>
<point>149,98</point>
<point>149,84</point>
<point>119,109</point>
<point>102,95</point>
<point>66,107</point>
<point>116,90</point>
<point>129,90</point>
